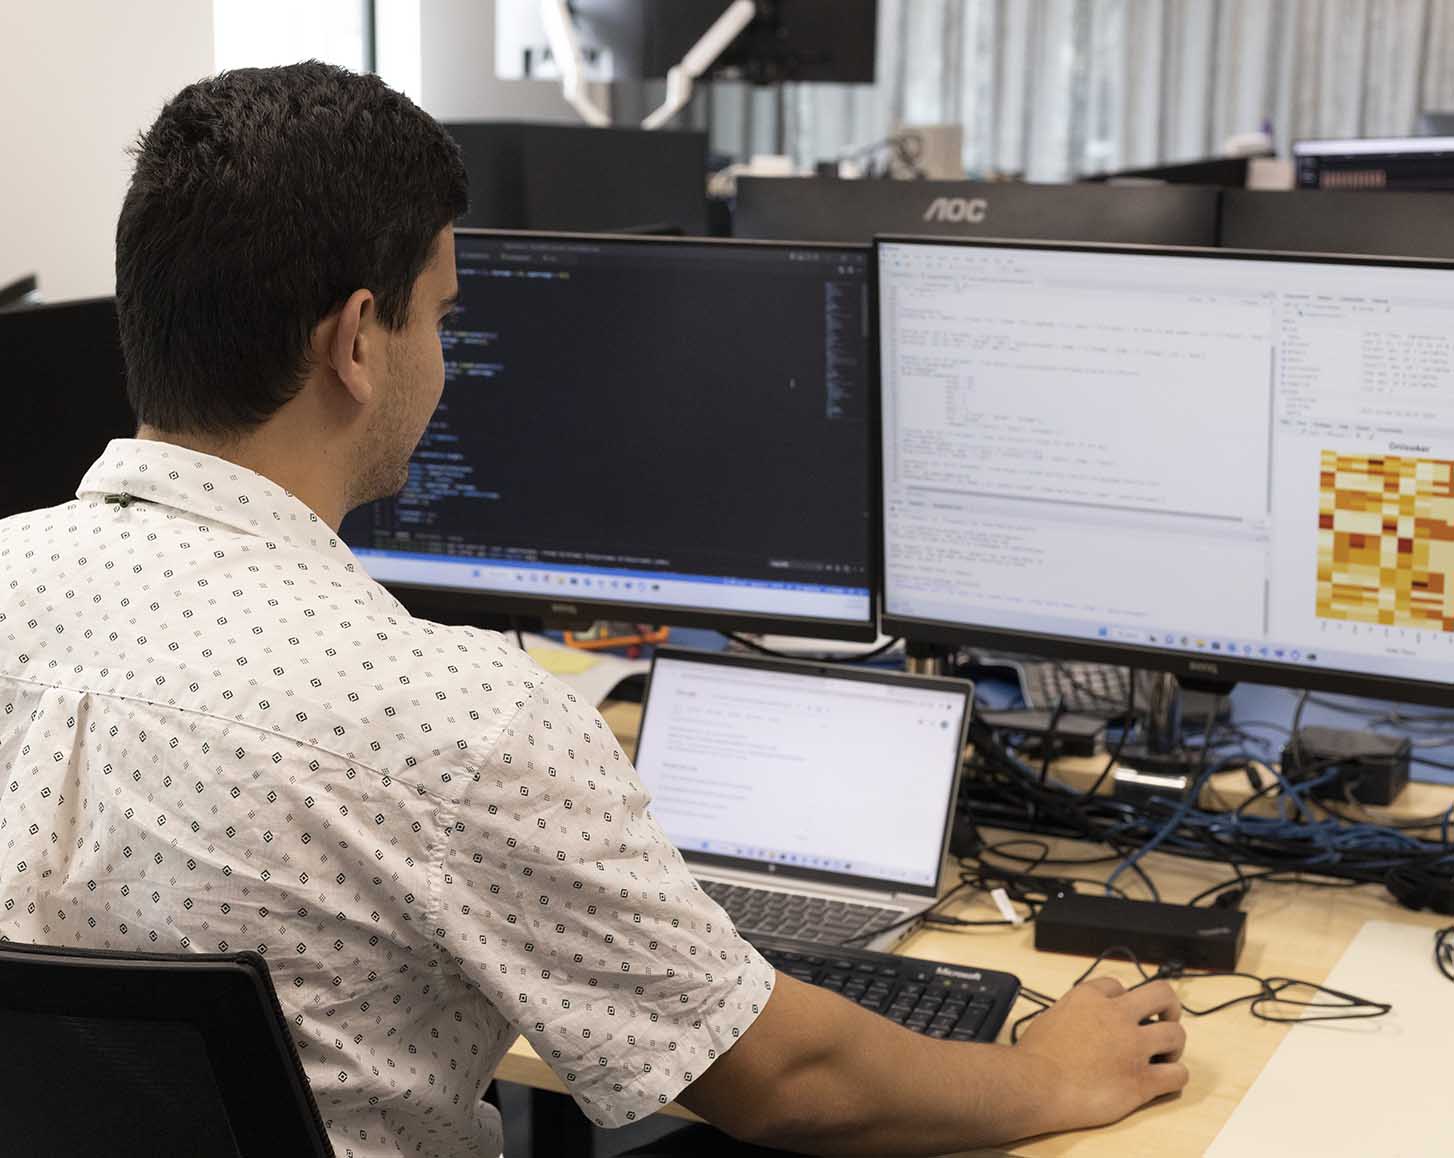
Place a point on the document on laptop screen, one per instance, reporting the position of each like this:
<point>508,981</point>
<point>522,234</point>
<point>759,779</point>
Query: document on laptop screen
<point>807,770</point>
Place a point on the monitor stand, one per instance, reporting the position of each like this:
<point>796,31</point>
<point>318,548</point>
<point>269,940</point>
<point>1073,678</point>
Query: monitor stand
<point>927,658</point>
<point>1163,750</point>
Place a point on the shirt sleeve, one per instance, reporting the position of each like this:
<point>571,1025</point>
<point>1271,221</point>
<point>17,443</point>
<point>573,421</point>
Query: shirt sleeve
<point>577,918</point>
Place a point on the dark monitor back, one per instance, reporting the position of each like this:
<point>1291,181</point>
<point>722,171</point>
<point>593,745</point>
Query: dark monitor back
<point>794,40</point>
<point>829,209</point>
<point>1224,172</point>
<point>579,178</point>
<point>1325,221</point>
<point>63,386</point>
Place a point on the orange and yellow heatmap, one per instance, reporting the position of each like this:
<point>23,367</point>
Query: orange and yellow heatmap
<point>1386,541</point>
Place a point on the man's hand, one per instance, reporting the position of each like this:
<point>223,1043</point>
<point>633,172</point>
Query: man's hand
<point>1099,1041</point>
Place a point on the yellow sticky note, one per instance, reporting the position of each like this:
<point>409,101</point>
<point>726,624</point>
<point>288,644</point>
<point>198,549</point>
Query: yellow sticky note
<point>563,661</point>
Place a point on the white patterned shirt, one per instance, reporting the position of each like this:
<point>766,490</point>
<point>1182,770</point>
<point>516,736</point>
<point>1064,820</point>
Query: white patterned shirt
<point>218,733</point>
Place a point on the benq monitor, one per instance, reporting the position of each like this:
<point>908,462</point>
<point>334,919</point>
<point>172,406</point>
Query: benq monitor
<point>658,430</point>
<point>1221,465</point>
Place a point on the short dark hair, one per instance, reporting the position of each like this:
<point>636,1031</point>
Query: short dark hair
<point>261,199</point>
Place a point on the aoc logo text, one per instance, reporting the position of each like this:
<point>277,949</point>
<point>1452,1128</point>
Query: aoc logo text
<point>958,209</point>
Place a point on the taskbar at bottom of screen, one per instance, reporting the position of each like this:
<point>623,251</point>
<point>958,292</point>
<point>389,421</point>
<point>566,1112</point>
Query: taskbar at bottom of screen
<point>766,597</point>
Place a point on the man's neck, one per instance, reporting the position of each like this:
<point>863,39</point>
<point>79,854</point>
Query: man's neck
<point>307,467</point>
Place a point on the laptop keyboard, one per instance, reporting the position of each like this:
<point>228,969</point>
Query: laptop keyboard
<point>795,915</point>
<point>955,1002</point>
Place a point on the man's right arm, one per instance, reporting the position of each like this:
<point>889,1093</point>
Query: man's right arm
<point>817,1074</point>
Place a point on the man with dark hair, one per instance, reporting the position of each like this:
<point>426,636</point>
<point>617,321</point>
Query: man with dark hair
<point>217,732</point>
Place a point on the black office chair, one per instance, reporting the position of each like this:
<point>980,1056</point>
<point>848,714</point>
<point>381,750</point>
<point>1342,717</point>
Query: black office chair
<point>140,1055</point>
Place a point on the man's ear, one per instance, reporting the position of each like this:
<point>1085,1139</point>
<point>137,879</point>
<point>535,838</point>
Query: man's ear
<point>354,350</point>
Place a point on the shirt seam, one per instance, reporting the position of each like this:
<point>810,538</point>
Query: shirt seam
<point>436,876</point>
<point>380,772</point>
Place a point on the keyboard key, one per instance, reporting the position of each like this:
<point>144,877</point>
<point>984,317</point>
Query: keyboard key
<point>928,1005</point>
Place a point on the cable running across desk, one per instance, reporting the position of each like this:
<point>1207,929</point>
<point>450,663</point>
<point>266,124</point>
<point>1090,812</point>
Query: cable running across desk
<point>1304,836</point>
<point>1262,1003</point>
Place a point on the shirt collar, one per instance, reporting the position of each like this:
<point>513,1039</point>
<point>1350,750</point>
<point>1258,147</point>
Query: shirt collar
<point>212,490</point>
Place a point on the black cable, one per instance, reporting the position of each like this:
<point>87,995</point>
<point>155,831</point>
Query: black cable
<point>1444,951</point>
<point>1048,743</point>
<point>1243,883</point>
<point>1001,791</point>
<point>1046,859</point>
<point>859,657</point>
<point>1126,730</point>
<point>1261,1003</point>
<point>929,915</point>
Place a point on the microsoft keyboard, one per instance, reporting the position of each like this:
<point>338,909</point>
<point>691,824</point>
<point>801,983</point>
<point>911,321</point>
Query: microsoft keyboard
<point>952,1002</point>
<point>804,918</point>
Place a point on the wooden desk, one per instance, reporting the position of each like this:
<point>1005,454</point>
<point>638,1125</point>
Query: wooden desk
<point>1293,931</point>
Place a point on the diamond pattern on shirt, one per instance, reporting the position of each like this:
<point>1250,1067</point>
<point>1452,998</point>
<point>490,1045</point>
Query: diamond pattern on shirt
<point>216,732</point>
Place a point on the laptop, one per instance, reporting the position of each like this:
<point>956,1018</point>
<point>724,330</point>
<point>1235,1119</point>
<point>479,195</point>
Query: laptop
<point>812,800</point>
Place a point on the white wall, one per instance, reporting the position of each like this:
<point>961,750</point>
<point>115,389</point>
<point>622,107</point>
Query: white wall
<point>457,68</point>
<point>79,79</point>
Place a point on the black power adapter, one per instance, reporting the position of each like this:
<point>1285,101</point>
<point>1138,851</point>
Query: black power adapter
<point>1089,925</point>
<point>1071,735</point>
<point>1372,769</point>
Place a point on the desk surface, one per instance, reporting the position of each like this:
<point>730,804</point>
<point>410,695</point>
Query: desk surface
<point>1293,931</point>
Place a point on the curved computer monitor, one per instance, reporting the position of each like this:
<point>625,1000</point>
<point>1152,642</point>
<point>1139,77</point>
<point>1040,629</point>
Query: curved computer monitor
<point>1224,465</point>
<point>656,430</point>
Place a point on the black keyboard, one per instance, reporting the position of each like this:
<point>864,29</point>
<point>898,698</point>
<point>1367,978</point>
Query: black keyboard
<point>928,997</point>
<point>803,918</point>
<point>1091,689</point>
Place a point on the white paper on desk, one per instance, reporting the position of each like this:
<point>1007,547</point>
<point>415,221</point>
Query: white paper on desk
<point>1379,1087</point>
<point>591,673</point>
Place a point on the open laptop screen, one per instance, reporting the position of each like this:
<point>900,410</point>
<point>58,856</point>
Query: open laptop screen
<point>803,768</point>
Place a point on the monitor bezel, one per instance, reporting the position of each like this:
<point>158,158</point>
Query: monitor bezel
<point>834,671</point>
<point>1191,669</point>
<point>1339,147</point>
<point>452,603</point>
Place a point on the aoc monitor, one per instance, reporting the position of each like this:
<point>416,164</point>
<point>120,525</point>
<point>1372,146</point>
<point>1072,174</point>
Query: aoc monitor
<point>832,209</point>
<point>1393,224</point>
